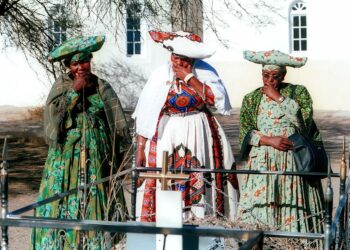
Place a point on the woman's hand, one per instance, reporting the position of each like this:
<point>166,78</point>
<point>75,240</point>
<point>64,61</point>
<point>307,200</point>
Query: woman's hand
<point>140,151</point>
<point>277,142</point>
<point>80,83</point>
<point>271,92</point>
<point>140,162</point>
<point>140,158</point>
<point>181,69</point>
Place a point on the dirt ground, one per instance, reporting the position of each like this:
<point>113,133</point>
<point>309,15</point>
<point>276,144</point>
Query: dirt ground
<point>27,153</point>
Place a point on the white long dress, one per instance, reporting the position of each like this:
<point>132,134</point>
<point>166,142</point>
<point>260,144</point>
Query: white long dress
<point>194,139</point>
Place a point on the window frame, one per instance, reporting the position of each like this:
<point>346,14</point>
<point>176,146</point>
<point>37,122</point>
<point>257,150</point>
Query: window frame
<point>133,18</point>
<point>57,14</point>
<point>300,13</point>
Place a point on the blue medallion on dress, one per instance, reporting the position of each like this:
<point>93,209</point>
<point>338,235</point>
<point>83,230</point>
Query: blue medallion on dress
<point>183,101</point>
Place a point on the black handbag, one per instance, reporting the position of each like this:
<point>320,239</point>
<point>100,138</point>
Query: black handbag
<point>309,156</point>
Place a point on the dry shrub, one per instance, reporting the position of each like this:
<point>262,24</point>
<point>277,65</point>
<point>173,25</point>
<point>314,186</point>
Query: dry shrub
<point>233,244</point>
<point>269,242</point>
<point>36,113</point>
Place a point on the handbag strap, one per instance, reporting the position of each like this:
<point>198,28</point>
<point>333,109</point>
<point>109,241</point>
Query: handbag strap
<point>292,96</point>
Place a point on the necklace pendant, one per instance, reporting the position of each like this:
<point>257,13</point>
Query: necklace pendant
<point>178,88</point>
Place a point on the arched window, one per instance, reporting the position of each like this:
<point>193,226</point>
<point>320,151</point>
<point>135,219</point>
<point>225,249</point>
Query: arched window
<point>298,26</point>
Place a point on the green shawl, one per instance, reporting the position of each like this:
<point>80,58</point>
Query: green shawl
<point>249,112</point>
<point>56,108</point>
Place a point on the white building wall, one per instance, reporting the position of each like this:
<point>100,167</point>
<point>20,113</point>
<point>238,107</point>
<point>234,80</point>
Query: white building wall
<point>326,73</point>
<point>21,83</point>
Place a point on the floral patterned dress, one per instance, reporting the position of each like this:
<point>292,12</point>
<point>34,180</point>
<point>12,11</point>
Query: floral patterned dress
<point>288,203</point>
<point>194,139</point>
<point>62,173</point>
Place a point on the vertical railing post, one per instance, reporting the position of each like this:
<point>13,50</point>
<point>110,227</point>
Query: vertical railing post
<point>329,206</point>
<point>339,239</point>
<point>347,225</point>
<point>134,173</point>
<point>4,196</point>
<point>34,231</point>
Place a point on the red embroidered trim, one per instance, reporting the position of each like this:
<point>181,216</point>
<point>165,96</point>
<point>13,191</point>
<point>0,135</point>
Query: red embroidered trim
<point>191,191</point>
<point>160,36</point>
<point>149,199</point>
<point>148,211</point>
<point>218,164</point>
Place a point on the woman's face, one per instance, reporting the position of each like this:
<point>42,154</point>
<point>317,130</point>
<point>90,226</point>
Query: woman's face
<point>181,60</point>
<point>272,77</point>
<point>80,68</point>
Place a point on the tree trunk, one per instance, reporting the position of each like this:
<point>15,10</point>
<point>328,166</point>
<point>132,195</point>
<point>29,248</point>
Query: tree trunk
<point>187,15</point>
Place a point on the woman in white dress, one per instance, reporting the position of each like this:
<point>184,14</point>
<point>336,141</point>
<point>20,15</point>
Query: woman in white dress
<point>172,115</point>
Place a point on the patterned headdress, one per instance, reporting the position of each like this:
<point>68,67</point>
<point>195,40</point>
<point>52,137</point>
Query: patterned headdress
<point>77,48</point>
<point>274,59</point>
<point>183,44</point>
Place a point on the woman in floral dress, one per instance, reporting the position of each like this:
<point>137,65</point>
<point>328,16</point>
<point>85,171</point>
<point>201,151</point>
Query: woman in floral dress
<point>268,116</point>
<point>84,121</point>
<point>173,115</point>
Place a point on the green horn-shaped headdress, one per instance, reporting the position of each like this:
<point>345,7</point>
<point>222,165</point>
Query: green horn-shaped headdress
<point>80,46</point>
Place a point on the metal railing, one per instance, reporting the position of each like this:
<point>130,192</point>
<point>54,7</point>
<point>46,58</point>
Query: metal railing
<point>333,237</point>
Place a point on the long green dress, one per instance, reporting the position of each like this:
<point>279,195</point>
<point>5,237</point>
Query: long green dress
<point>287,203</point>
<point>62,173</point>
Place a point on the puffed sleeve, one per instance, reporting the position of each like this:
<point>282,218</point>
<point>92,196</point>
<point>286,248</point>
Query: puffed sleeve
<point>248,134</point>
<point>206,74</point>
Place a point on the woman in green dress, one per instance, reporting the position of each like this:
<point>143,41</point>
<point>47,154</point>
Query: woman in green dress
<point>268,116</point>
<point>87,133</point>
